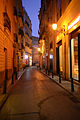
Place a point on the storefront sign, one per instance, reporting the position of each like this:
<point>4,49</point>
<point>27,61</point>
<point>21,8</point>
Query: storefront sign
<point>74,23</point>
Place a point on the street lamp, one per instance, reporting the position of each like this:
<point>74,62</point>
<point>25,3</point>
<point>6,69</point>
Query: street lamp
<point>39,49</point>
<point>54,26</point>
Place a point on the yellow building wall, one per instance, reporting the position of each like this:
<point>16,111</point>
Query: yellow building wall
<point>71,11</point>
<point>6,40</point>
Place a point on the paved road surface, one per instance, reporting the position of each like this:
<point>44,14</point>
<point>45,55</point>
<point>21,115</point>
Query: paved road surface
<point>36,97</point>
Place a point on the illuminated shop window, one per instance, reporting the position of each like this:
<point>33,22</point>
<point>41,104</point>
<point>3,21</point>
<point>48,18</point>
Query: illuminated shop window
<point>60,57</point>
<point>74,52</point>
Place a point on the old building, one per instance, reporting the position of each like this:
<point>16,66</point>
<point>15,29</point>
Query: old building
<point>11,41</point>
<point>27,39</point>
<point>8,43</point>
<point>35,52</point>
<point>60,47</point>
<point>21,44</point>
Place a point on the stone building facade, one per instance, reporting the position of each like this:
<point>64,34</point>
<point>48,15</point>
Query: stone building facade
<point>35,52</point>
<point>27,39</point>
<point>11,41</point>
<point>60,48</point>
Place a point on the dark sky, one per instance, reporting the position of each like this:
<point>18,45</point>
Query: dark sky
<point>32,7</point>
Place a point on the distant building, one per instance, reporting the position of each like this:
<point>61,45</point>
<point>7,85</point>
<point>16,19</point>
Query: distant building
<point>27,39</point>
<point>35,52</point>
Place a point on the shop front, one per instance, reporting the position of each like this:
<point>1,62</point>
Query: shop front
<point>26,59</point>
<point>75,54</point>
<point>30,61</point>
<point>74,33</point>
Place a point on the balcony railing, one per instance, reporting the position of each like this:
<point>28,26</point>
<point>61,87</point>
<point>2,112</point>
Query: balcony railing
<point>15,38</point>
<point>22,46</point>
<point>15,11</point>
<point>21,32</point>
<point>20,15</point>
<point>7,22</point>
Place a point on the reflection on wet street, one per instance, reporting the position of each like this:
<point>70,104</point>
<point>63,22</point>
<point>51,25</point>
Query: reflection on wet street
<point>36,97</point>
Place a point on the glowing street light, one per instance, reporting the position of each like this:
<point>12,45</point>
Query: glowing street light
<point>39,49</point>
<point>54,26</point>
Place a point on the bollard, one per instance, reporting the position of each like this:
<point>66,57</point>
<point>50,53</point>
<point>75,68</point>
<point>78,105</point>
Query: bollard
<point>5,87</point>
<point>46,70</point>
<point>5,83</point>
<point>40,68</point>
<point>12,78</point>
<point>59,77</point>
<point>52,74</point>
<point>72,85</point>
<point>16,75</point>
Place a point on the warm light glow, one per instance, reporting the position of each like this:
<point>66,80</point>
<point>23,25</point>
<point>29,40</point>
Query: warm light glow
<point>30,57</point>
<point>46,54</point>
<point>51,56</point>
<point>54,26</point>
<point>74,27</point>
<point>38,49</point>
<point>74,22</point>
<point>26,57</point>
<point>43,56</point>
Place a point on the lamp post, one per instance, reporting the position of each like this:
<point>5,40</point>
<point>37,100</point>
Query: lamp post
<point>54,27</point>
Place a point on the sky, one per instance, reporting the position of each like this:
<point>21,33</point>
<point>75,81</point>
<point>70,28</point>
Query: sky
<point>32,7</point>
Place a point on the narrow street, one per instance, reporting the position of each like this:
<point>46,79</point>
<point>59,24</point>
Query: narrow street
<point>36,97</point>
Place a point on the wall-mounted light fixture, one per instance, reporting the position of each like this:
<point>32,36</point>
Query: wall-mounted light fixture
<point>39,49</point>
<point>60,30</point>
<point>54,26</point>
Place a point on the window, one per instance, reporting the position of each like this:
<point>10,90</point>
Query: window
<point>59,9</point>
<point>7,22</point>
<point>15,37</point>
<point>74,55</point>
<point>51,45</point>
<point>69,1</point>
<point>15,11</point>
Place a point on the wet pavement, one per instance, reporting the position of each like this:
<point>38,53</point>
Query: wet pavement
<point>36,97</point>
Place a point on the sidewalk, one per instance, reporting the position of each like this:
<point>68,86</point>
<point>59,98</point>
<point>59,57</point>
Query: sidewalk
<point>66,85</point>
<point>3,97</point>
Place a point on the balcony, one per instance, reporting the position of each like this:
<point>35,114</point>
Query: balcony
<point>7,22</point>
<point>15,11</point>
<point>20,15</point>
<point>21,32</point>
<point>28,49</point>
<point>15,38</point>
<point>22,46</point>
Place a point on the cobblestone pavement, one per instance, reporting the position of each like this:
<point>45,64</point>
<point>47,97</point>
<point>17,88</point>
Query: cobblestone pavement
<point>36,97</point>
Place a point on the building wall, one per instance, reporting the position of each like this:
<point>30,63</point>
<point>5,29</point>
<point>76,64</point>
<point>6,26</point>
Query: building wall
<point>35,52</point>
<point>70,13</point>
<point>6,41</point>
<point>61,12</point>
<point>27,38</point>
<point>9,41</point>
